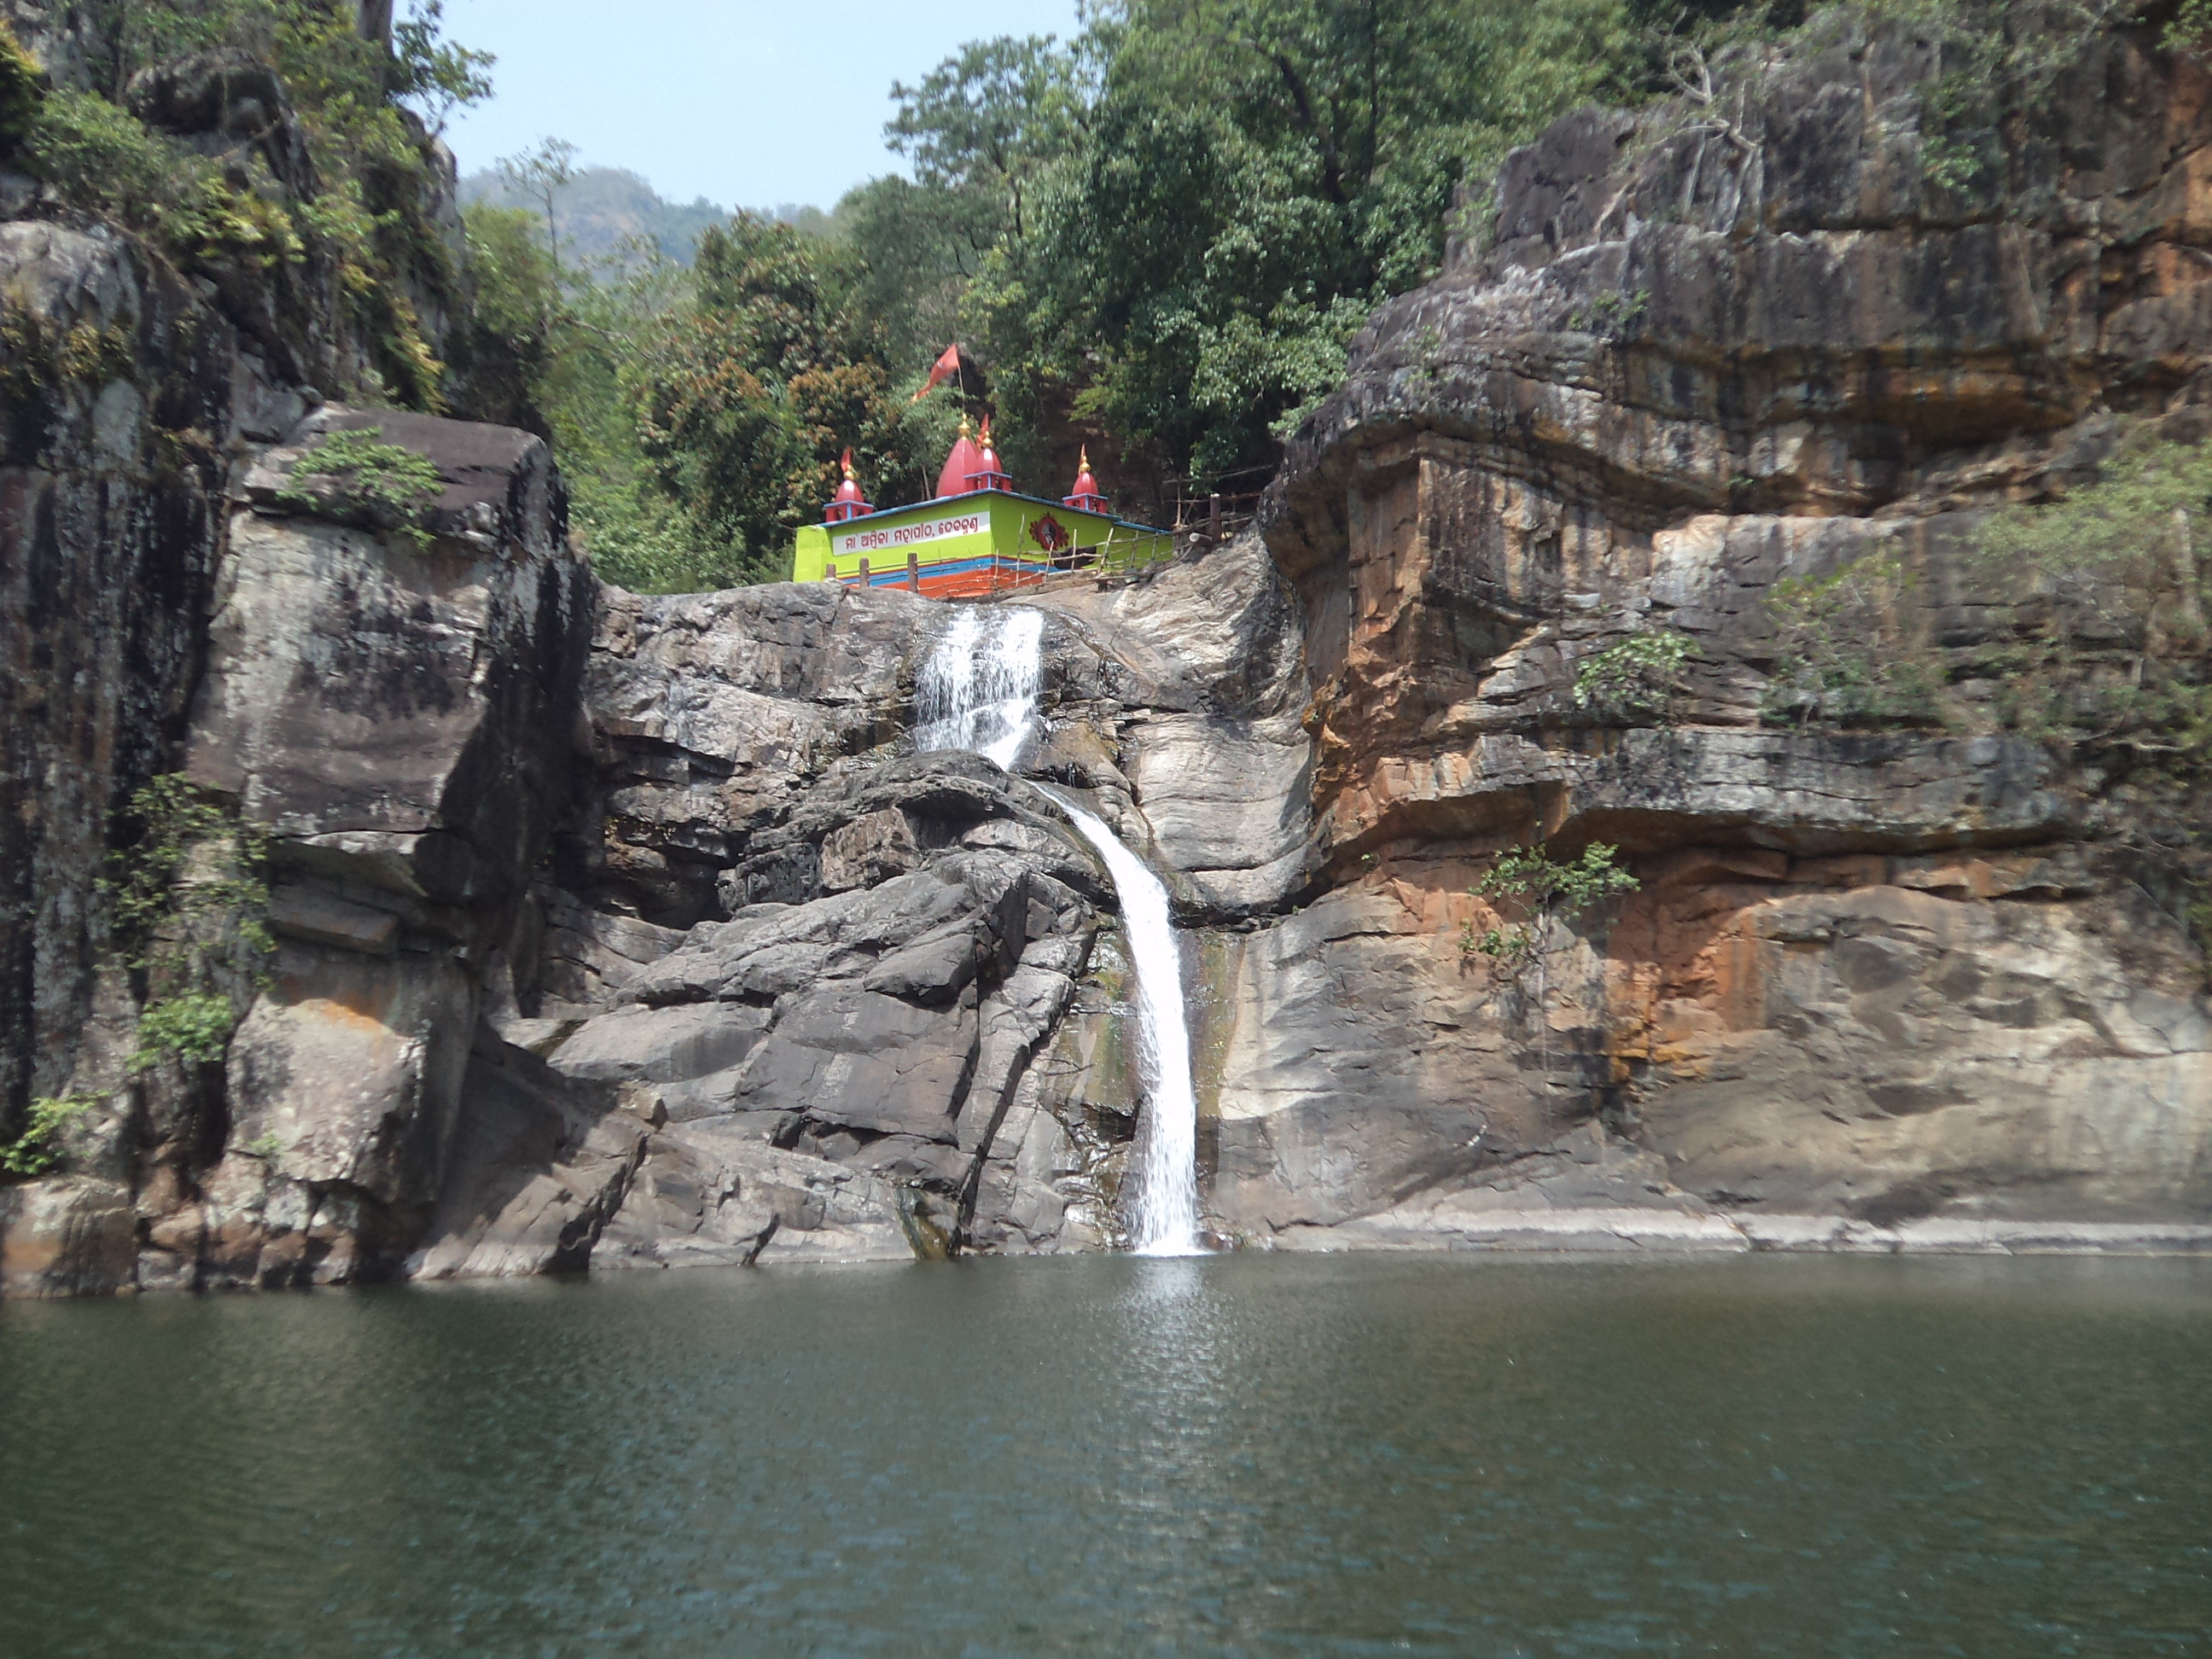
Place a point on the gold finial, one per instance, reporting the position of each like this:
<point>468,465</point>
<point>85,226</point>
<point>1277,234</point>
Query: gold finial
<point>963,424</point>
<point>1084,465</point>
<point>848,463</point>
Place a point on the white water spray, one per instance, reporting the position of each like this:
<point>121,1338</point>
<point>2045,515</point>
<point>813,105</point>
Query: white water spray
<point>978,692</point>
<point>1163,1219</point>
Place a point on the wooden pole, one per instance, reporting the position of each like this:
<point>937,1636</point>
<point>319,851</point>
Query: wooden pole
<point>914,570</point>
<point>1213,517</point>
<point>864,573</point>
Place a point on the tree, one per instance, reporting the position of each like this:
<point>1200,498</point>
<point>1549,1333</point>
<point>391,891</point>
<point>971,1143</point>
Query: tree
<point>991,120</point>
<point>1847,651</point>
<point>1545,891</point>
<point>2111,646</point>
<point>746,398</point>
<point>434,74</point>
<point>1243,181</point>
<point>539,173</point>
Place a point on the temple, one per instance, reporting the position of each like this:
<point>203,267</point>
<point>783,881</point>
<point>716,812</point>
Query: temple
<point>976,536</point>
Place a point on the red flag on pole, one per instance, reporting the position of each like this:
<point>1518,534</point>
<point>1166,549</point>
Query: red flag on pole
<point>948,365</point>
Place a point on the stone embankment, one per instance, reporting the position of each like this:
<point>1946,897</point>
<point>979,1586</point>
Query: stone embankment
<point>611,931</point>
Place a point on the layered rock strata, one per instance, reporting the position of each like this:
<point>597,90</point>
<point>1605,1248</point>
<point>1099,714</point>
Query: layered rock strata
<point>1873,977</point>
<point>614,932</point>
<point>394,712</point>
<point>135,390</point>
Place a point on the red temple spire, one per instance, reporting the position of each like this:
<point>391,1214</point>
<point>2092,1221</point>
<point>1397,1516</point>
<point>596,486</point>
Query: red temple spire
<point>1086,493</point>
<point>961,465</point>
<point>989,475</point>
<point>848,503</point>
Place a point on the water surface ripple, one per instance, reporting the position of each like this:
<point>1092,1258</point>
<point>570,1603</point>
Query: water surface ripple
<point>1120,1456</point>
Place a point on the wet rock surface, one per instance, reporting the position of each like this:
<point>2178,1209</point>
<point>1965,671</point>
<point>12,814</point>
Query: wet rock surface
<point>847,960</point>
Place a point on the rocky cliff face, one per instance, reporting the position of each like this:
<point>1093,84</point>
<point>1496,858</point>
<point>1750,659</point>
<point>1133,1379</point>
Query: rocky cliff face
<point>397,716</point>
<point>845,999</point>
<point>1901,975</point>
<point>614,931</point>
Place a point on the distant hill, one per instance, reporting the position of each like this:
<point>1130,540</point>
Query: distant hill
<point>601,208</point>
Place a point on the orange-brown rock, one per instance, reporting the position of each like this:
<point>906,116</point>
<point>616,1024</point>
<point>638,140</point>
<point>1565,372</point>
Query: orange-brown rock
<point>1926,976</point>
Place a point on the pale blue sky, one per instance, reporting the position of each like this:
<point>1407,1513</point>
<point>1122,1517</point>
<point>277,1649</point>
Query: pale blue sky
<point>746,102</point>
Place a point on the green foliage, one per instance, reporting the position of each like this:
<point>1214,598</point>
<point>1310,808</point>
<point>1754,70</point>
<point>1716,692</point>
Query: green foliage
<point>746,398</point>
<point>384,483</point>
<point>555,348</point>
<point>602,210</point>
<point>1997,64</point>
<point>37,1150</point>
<point>2190,28</point>
<point>2112,637</point>
<point>1171,225</point>
<point>106,160</point>
<point>1614,315</point>
<point>433,74</point>
<point>20,92</point>
<point>193,859</point>
<point>189,901</point>
<point>1544,890</point>
<point>994,118</point>
<point>541,172</point>
<point>2145,508</point>
<point>1845,654</point>
<point>1511,950</point>
<point>1235,185</point>
<point>194,1027</point>
<point>1638,675</point>
<point>366,221</point>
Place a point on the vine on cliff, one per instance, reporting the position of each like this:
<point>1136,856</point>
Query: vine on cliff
<point>189,900</point>
<point>38,1150</point>
<point>1995,63</point>
<point>19,91</point>
<point>361,215</point>
<point>1545,891</point>
<point>1637,678</point>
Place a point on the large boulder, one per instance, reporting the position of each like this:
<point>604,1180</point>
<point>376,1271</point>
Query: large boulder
<point>394,709</point>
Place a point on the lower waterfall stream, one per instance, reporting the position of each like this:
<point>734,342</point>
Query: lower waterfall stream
<point>978,692</point>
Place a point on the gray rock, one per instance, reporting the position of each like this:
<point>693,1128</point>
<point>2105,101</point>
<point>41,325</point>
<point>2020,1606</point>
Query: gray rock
<point>661,1045</point>
<point>67,1236</point>
<point>535,1177</point>
<point>873,847</point>
<point>850,1058</point>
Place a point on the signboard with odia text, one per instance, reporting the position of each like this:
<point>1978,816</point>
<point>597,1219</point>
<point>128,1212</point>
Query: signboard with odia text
<point>866,539</point>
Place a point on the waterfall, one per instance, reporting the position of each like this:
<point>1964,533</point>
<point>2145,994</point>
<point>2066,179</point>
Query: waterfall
<point>978,691</point>
<point>1163,1220</point>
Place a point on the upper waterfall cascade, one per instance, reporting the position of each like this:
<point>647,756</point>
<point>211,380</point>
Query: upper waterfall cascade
<point>978,692</point>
